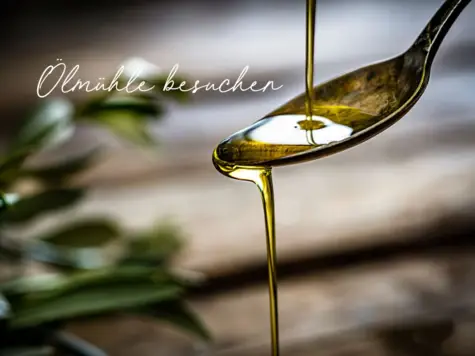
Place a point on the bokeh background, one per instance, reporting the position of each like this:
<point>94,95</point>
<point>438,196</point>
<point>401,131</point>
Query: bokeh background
<point>374,236</point>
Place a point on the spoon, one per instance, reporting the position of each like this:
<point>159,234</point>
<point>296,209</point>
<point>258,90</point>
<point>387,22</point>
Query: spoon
<point>346,111</point>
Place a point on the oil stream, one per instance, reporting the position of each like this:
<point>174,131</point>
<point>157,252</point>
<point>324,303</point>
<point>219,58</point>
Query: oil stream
<point>240,158</point>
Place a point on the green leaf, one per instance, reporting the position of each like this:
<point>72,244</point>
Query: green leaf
<point>91,301</point>
<point>127,125</point>
<point>61,172</point>
<point>28,351</point>
<point>83,244</point>
<point>49,125</point>
<point>45,202</point>
<point>156,246</point>
<point>10,167</point>
<point>88,233</point>
<point>160,83</point>
<point>147,72</point>
<point>179,314</point>
<point>32,284</point>
<point>143,106</point>
<point>7,200</point>
<point>126,116</point>
<point>5,308</point>
<point>48,285</point>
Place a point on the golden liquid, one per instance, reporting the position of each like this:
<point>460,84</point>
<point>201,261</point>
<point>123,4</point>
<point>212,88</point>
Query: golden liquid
<point>276,137</point>
<point>238,159</point>
<point>309,62</point>
<point>262,177</point>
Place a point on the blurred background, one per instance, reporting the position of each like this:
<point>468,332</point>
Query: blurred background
<point>373,238</point>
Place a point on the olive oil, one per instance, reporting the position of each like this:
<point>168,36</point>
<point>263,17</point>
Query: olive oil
<point>262,177</point>
<point>285,134</point>
<point>310,53</point>
<point>272,138</point>
<point>309,63</point>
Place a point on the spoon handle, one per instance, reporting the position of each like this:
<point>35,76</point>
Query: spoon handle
<point>434,33</point>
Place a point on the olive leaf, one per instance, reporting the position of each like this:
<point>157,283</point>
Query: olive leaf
<point>28,351</point>
<point>131,128</point>
<point>5,308</point>
<point>31,284</point>
<point>86,233</point>
<point>155,78</point>
<point>154,246</point>
<point>47,298</point>
<point>128,125</point>
<point>45,286</point>
<point>83,244</point>
<point>126,116</point>
<point>61,172</point>
<point>91,301</point>
<point>7,200</point>
<point>178,313</point>
<point>142,105</point>
<point>164,89</point>
<point>50,125</point>
<point>10,167</point>
<point>45,202</point>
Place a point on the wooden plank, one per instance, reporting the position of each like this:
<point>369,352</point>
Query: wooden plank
<point>350,312</point>
<point>319,210</point>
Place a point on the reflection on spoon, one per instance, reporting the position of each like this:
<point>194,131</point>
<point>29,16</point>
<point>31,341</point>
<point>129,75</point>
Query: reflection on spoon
<point>282,135</point>
<point>282,130</point>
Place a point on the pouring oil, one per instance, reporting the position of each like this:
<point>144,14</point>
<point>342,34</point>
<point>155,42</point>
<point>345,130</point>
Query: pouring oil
<point>309,62</point>
<point>240,156</point>
<point>262,177</point>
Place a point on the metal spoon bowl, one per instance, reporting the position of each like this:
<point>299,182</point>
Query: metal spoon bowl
<point>346,111</point>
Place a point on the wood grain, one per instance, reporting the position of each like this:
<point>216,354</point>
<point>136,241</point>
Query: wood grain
<point>356,311</point>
